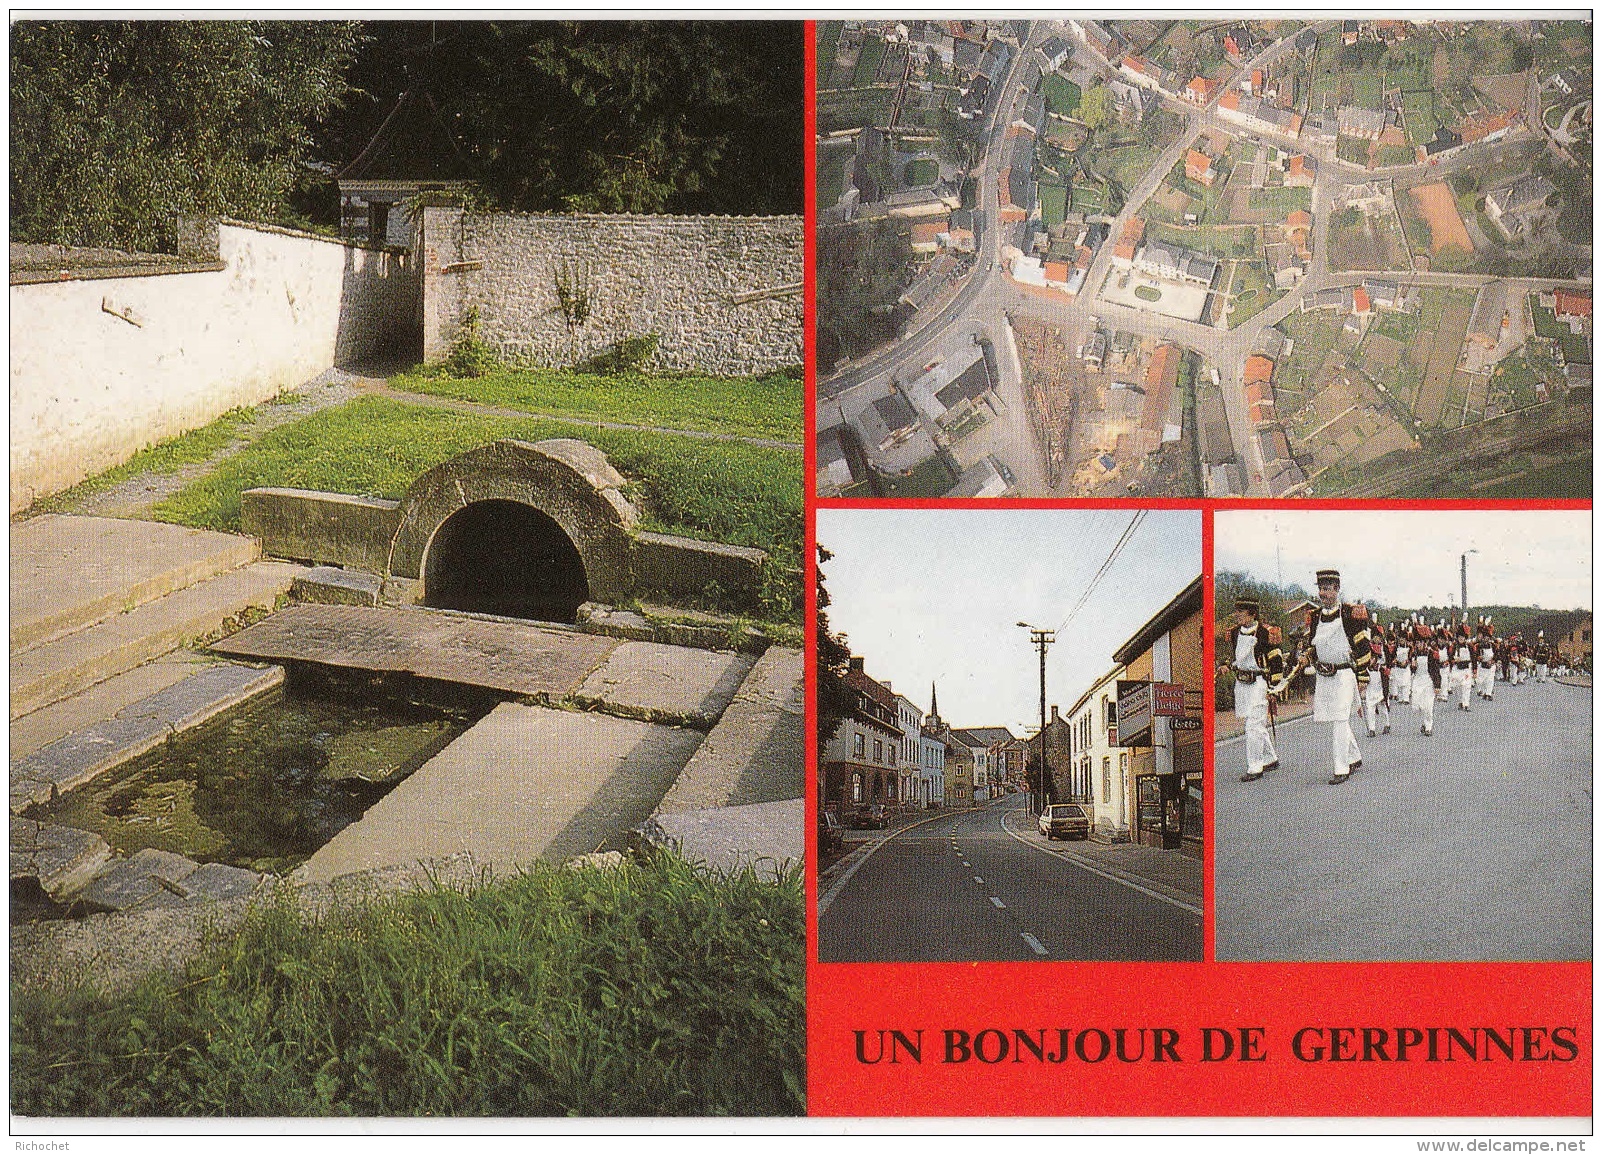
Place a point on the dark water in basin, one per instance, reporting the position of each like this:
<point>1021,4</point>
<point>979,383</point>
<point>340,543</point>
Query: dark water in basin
<point>266,785</point>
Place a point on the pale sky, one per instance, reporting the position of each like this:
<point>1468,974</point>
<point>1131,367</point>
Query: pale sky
<point>935,594</point>
<point>1410,558</point>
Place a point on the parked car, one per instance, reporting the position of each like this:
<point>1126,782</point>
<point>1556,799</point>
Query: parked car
<point>831,834</point>
<point>869,817</point>
<point>1065,820</point>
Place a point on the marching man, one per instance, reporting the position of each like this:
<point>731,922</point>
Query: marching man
<point>1257,661</point>
<point>1402,662</point>
<point>1339,653</point>
<point>1426,674</point>
<point>1376,699</point>
<point>1485,674</point>
<point>1543,656</point>
<point>1462,663</point>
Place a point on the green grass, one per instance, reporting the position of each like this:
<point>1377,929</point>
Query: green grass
<point>647,990</point>
<point>719,491</point>
<point>1053,204</point>
<point>1418,115</point>
<point>1062,95</point>
<point>1566,479</point>
<point>1089,198</point>
<point>920,172</point>
<point>1352,150</point>
<point>931,477</point>
<point>832,165</point>
<point>828,33</point>
<point>768,407</point>
<point>1391,154</point>
<point>1147,293</point>
<point>1576,347</point>
<point>868,60</point>
<point>1282,201</point>
<point>164,458</point>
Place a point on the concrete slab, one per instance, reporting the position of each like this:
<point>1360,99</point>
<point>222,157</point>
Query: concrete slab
<point>526,782</point>
<point>765,837</point>
<point>137,881</point>
<point>69,571</point>
<point>61,860</point>
<point>514,657</point>
<point>80,757</point>
<point>669,683</point>
<point>217,881</point>
<point>61,668</point>
<point>100,701</point>
<point>757,751</point>
<point>331,586</point>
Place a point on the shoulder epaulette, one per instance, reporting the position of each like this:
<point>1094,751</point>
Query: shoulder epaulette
<point>1359,612</point>
<point>1274,635</point>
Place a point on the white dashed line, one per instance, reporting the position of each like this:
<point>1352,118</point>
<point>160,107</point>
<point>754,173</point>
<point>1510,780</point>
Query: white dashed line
<point>1034,944</point>
<point>999,904</point>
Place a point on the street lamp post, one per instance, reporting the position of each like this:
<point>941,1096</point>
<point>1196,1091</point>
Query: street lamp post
<point>1463,569</point>
<point>1042,639</point>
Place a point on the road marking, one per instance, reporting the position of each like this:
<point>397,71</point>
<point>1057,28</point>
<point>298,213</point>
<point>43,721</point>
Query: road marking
<point>1034,944</point>
<point>826,900</point>
<point>1064,856</point>
<point>999,904</point>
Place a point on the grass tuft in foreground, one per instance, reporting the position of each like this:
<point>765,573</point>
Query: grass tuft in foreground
<point>647,990</point>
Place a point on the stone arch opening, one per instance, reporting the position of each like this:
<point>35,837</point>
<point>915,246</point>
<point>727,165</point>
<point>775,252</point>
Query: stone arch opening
<point>508,558</point>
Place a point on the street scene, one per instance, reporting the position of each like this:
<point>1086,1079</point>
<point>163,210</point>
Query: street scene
<point>1204,258</point>
<point>1403,757</point>
<point>1048,803</point>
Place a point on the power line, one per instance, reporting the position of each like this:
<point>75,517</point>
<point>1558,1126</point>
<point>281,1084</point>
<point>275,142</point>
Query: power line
<point>1112,556</point>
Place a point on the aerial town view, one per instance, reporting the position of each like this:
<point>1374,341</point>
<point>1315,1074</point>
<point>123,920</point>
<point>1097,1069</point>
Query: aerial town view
<point>1209,258</point>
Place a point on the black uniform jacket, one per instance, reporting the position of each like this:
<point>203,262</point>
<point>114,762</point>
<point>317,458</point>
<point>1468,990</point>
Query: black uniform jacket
<point>1354,619</point>
<point>1269,656</point>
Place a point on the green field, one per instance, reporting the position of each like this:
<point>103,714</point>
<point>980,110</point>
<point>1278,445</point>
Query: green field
<point>1418,115</point>
<point>1282,201</point>
<point>832,165</point>
<point>868,61</point>
<point>920,172</point>
<point>1062,95</point>
<point>828,38</point>
<point>931,477</point>
<point>854,108</point>
<point>1089,198</point>
<point>1053,203</point>
<point>1567,479</point>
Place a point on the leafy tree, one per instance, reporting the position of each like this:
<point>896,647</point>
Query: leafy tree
<point>116,126</point>
<point>1095,107</point>
<point>599,116</point>
<point>835,699</point>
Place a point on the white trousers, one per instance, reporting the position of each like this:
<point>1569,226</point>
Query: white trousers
<point>1424,694</point>
<point>1376,712</point>
<point>1486,679</point>
<point>1251,703</point>
<point>1333,700</point>
<point>1540,672</point>
<point>1463,680</point>
<point>1401,683</point>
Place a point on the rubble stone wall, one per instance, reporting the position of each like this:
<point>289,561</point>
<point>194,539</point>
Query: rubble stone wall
<point>721,294</point>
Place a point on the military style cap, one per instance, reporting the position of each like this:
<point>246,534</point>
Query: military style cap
<point>1250,604</point>
<point>1329,575</point>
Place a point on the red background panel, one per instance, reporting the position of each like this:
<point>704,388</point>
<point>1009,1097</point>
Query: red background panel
<point>1279,997</point>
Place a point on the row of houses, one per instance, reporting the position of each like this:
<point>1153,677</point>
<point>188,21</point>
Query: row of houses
<point>1129,750</point>
<point>888,752</point>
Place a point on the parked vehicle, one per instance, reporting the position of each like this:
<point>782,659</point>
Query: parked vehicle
<point>831,834</point>
<point>1065,820</point>
<point>869,817</point>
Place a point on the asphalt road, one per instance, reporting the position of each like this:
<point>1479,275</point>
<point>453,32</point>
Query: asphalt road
<point>962,888</point>
<point>1471,844</point>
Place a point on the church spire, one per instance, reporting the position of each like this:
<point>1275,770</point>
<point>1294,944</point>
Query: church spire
<point>934,707</point>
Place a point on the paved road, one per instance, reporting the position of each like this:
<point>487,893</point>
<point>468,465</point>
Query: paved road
<point>1471,844</point>
<point>972,887</point>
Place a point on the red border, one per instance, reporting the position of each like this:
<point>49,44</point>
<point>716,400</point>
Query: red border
<point>843,997</point>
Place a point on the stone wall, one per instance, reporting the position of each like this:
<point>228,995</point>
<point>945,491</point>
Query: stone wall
<point>723,294</point>
<point>107,361</point>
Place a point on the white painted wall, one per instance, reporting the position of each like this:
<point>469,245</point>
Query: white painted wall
<point>90,388</point>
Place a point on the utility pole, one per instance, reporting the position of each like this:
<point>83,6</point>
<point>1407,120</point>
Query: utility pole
<point>1463,569</point>
<point>1041,639</point>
